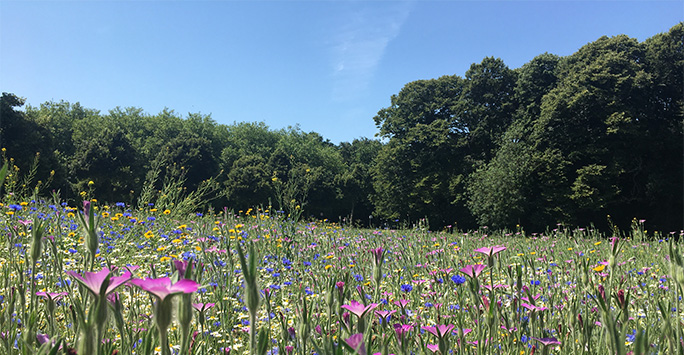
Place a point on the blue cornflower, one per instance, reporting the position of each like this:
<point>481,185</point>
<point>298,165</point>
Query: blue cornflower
<point>406,288</point>
<point>631,337</point>
<point>458,279</point>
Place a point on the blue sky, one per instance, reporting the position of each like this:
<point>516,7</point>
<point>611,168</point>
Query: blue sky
<point>328,66</point>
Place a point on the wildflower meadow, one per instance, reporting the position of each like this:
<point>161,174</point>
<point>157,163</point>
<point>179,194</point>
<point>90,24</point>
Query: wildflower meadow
<point>112,279</point>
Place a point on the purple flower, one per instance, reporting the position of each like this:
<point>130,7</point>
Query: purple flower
<point>547,341</point>
<point>401,303</point>
<point>358,308</point>
<point>202,307</point>
<point>533,307</point>
<point>402,331</point>
<point>356,342</point>
<point>441,330</point>
<point>466,330</point>
<point>44,338</point>
<point>377,253</point>
<point>433,347</point>
<point>384,314</point>
<point>86,208</point>
<point>93,280</point>
<point>491,251</point>
<point>162,287</point>
<point>52,296</point>
<point>473,270</point>
<point>182,266</point>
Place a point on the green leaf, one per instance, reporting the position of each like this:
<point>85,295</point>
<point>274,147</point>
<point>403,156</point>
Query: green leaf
<point>3,175</point>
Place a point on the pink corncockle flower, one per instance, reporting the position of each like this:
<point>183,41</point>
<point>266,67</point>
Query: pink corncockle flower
<point>162,287</point>
<point>93,280</point>
<point>402,329</point>
<point>432,347</point>
<point>359,309</point>
<point>440,331</point>
<point>132,268</point>
<point>547,341</point>
<point>214,249</point>
<point>385,314</point>
<point>202,307</point>
<point>473,270</point>
<point>466,331</point>
<point>86,209</point>
<point>44,338</point>
<point>182,266</point>
<point>25,222</point>
<point>377,254</point>
<point>532,307</point>
<point>491,251</point>
<point>510,330</point>
<point>52,296</point>
<point>356,342</point>
<point>535,297</point>
<point>401,303</point>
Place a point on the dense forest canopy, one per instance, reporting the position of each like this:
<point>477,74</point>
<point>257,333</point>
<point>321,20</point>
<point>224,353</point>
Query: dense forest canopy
<point>559,140</point>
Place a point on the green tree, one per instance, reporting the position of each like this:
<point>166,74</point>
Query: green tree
<point>487,106</point>
<point>355,182</point>
<point>249,182</point>
<point>416,173</point>
<point>105,156</point>
<point>29,144</point>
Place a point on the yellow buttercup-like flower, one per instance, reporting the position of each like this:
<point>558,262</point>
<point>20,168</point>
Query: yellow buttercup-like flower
<point>599,268</point>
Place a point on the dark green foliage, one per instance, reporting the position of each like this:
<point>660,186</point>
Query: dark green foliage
<point>355,183</point>
<point>249,181</point>
<point>560,139</point>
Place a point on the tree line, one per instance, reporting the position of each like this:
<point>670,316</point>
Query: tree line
<point>559,140</point>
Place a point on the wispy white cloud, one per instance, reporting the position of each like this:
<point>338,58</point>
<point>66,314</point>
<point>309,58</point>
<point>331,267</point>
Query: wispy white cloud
<point>360,43</point>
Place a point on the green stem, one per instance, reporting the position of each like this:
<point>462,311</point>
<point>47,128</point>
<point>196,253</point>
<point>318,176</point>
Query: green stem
<point>164,341</point>
<point>252,332</point>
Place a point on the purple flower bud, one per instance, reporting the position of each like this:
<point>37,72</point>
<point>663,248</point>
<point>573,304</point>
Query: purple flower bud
<point>86,208</point>
<point>602,292</point>
<point>621,299</point>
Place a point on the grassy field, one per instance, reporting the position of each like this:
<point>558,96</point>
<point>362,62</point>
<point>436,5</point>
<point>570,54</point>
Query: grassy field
<point>99,279</point>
